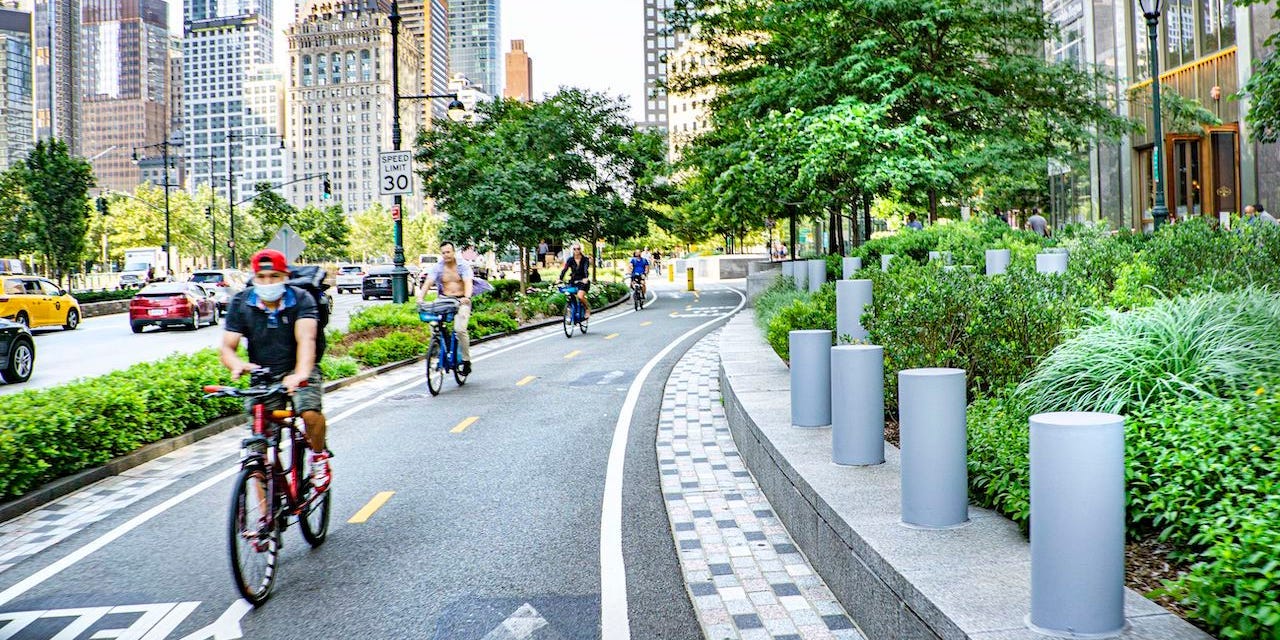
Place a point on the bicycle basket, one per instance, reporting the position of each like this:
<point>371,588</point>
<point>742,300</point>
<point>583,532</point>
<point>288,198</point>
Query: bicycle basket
<point>444,308</point>
<point>569,290</point>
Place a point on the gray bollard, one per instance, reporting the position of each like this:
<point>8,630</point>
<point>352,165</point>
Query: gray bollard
<point>1051,262</point>
<point>850,266</point>
<point>789,269</point>
<point>853,298</point>
<point>997,261</point>
<point>801,274</point>
<point>817,274</point>
<point>931,420</point>
<point>1077,524</point>
<point>857,404</point>
<point>885,259</point>
<point>810,377</point>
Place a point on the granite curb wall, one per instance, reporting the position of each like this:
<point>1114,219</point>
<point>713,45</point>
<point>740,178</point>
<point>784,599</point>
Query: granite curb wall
<point>896,582</point>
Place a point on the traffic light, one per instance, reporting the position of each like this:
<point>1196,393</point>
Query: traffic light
<point>102,205</point>
<point>327,189</point>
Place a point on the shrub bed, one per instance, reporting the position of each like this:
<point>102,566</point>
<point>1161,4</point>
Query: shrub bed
<point>106,295</point>
<point>1179,330</point>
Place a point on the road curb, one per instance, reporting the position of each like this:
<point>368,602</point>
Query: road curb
<point>55,489</point>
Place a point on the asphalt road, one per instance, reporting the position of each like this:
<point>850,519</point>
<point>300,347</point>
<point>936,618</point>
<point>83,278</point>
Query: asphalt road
<point>106,343</point>
<point>495,520</point>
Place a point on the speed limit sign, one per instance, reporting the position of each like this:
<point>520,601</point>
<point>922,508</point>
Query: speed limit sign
<point>395,173</point>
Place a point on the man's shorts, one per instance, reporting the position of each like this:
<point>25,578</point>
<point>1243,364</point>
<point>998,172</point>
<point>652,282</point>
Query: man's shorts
<point>308,398</point>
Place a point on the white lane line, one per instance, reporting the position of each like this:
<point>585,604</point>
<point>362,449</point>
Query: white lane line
<point>614,621</point>
<point>107,538</point>
<point>67,561</point>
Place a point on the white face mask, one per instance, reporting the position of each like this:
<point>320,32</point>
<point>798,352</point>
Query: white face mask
<point>270,292</point>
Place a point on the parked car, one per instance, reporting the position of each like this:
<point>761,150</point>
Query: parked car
<point>350,277</point>
<point>36,302</point>
<point>17,352</point>
<point>167,304</point>
<point>225,284</point>
<point>376,283</point>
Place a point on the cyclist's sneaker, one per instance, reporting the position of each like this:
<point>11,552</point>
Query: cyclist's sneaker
<point>465,368</point>
<point>320,471</point>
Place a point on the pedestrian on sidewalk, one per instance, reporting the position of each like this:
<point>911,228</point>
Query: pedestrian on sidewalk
<point>913,223</point>
<point>1038,224</point>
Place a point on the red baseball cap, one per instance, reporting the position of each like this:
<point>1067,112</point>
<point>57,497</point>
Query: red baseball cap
<point>269,260</point>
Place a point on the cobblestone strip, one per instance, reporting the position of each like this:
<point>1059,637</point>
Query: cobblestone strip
<point>745,576</point>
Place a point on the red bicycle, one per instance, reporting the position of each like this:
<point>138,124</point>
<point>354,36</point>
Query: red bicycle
<point>272,488</point>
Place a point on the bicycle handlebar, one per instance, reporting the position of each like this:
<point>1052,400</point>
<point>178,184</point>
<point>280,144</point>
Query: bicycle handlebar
<point>215,391</point>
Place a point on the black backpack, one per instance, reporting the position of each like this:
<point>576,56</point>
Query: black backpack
<point>312,280</point>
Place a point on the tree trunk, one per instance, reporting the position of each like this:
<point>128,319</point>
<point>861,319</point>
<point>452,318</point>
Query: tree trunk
<point>933,207</point>
<point>524,269</point>
<point>866,217</point>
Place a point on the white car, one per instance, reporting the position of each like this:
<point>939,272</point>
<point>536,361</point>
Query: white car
<point>350,277</point>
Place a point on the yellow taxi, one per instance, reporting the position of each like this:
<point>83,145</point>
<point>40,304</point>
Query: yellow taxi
<point>36,302</point>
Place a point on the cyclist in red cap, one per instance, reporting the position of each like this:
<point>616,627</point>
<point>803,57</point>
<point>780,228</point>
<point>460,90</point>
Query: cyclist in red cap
<point>280,323</point>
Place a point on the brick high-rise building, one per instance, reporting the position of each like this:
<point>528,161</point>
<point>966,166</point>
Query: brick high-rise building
<point>519,73</point>
<point>473,42</point>
<point>126,86</point>
<point>340,99</point>
<point>17,119</point>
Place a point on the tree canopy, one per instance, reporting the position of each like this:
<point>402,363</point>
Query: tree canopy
<point>50,189</point>
<point>569,166</point>
<point>818,101</point>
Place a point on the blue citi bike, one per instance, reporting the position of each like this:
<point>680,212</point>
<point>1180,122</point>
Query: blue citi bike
<point>574,312</point>
<point>442,353</point>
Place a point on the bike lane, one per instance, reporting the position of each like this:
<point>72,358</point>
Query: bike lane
<point>493,525</point>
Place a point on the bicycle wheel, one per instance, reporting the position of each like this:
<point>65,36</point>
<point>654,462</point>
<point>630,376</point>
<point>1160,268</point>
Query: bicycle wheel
<point>314,518</point>
<point>583,324</point>
<point>637,299</point>
<point>254,541</point>
<point>568,320</point>
<point>435,372</point>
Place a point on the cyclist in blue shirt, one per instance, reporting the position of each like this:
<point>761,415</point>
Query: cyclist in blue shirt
<point>639,267</point>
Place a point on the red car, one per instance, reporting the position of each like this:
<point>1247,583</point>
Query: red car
<point>173,303</point>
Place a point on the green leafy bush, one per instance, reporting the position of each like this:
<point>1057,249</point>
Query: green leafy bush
<point>106,295</point>
<point>392,347</point>
<point>385,315</point>
<point>995,328</point>
<point>51,433</point>
<point>1211,345</point>
<point>813,311</point>
<point>485,323</point>
<point>778,296</point>
<point>504,289</point>
<point>999,455</point>
<point>338,368</point>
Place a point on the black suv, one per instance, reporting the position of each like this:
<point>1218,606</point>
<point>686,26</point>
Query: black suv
<point>376,283</point>
<point>17,352</point>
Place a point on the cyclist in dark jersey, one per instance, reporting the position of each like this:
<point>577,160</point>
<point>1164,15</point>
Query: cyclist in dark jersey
<point>578,267</point>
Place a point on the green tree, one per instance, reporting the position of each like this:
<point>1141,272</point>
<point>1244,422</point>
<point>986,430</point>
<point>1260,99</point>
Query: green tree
<point>16,237</point>
<point>57,187</point>
<point>371,234</point>
<point>324,229</point>
<point>821,102</point>
<point>1263,88</point>
<point>422,235</point>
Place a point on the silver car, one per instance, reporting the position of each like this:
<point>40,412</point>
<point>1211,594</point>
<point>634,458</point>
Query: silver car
<point>224,283</point>
<point>350,277</point>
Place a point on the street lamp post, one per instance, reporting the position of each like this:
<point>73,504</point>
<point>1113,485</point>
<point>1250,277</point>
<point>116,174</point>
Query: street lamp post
<point>1151,10</point>
<point>213,236</point>
<point>399,275</point>
<point>164,153</point>
<point>231,186</point>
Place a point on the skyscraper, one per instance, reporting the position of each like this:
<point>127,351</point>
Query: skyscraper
<point>224,44</point>
<point>57,69</point>
<point>428,21</point>
<point>16,108</point>
<point>660,41</point>
<point>125,85</point>
<point>473,42</point>
<point>339,99</point>
<point>519,73</point>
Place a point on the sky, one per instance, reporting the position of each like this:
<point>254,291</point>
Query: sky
<point>590,44</point>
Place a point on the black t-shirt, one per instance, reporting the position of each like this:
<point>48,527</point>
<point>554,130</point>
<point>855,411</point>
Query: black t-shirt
<point>578,269</point>
<point>271,341</point>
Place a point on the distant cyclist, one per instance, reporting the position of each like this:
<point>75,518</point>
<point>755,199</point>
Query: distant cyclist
<point>280,323</point>
<point>579,269</point>
<point>452,278</point>
<point>639,269</point>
